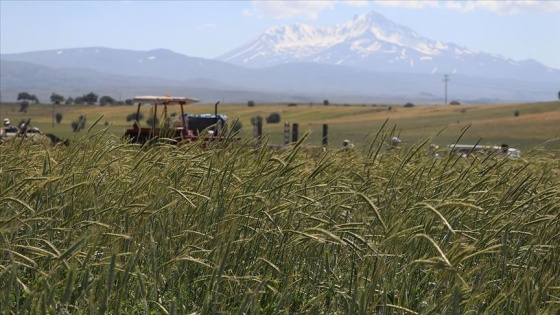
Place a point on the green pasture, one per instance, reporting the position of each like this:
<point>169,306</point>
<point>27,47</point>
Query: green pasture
<point>106,227</point>
<point>536,125</point>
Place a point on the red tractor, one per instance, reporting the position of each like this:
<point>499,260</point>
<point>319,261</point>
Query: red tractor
<point>177,128</point>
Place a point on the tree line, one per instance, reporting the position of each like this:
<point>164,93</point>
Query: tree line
<point>86,99</point>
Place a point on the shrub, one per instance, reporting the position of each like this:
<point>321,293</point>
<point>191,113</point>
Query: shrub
<point>516,113</point>
<point>273,118</point>
<point>132,117</point>
<point>152,121</point>
<point>251,103</point>
<point>408,105</point>
<point>237,126</point>
<point>79,124</point>
<point>455,103</point>
<point>326,102</point>
<point>292,104</point>
<point>58,117</point>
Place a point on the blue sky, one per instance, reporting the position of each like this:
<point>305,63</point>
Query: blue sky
<point>521,29</point>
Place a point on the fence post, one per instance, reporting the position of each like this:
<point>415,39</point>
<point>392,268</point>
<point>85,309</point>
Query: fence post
<point>325,135</point>
<point>257,132</point>
<point>295,132</point>
<point>286,133</point>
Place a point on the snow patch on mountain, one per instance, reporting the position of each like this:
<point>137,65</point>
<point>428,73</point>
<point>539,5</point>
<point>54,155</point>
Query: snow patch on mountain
<point>372,42</point>
<point>360,38</point>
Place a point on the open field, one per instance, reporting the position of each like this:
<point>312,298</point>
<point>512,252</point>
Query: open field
<point>536,124</point>
<point>102,227</point>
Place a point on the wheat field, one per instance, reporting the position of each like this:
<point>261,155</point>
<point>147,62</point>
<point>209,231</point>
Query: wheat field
<point>106,227</point>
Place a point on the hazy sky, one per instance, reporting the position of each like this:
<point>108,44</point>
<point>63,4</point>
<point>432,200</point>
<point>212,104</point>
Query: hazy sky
<point>521,29</point>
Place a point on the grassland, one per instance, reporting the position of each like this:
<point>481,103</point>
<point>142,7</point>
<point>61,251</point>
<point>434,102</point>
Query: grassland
<point>105,227</point>
<point>536,125</point>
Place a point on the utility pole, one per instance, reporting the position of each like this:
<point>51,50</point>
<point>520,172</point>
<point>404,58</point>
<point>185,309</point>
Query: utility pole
<point>445,79</point>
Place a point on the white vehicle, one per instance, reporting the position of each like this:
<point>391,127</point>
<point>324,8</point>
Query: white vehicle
<point>466,149</point>
<point>32,135</point>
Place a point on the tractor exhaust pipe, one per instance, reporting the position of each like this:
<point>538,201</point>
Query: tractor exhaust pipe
<point>216,108</point>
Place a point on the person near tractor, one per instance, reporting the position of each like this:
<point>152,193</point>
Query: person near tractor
<point>504,149</point>
<point>395,142</point>
<point>8,127</point>
<point>347,146</point>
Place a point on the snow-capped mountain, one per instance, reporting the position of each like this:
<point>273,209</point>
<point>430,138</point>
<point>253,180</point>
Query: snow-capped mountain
<point>372,42</point>
<point>366,59</point>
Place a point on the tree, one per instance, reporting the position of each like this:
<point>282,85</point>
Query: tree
<point>273,118</point>
<point>292,104</point>
<point>129,101</point>
<point>326,102</point>
<point>57,98</point>
<point>79,100</point>
<point>408,105</point>
<point>24,96</point>
<point>251,103</point>
<point>106,100</point>
<point>90,98</point>
<point>455,103</point>
<point>23,106</point>
<point>516,113</point>
<point>58,117</point>
<point>69,101</point>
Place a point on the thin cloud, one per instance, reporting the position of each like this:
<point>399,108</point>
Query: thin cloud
<point>506,7</point>
<point>291,9</point>
<point>205,26</point>
<point>408,4</point>
<point>356,3</point>
<point>500,6</point>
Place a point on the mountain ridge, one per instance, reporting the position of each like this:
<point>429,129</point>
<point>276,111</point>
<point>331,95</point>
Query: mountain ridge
<point>362,60</point>
<point>371,41</point>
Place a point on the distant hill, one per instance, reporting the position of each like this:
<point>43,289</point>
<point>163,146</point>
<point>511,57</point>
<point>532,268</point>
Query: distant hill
<point>300,82</point>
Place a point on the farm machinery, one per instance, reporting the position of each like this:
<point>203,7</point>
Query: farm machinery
<point>174,128</point>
